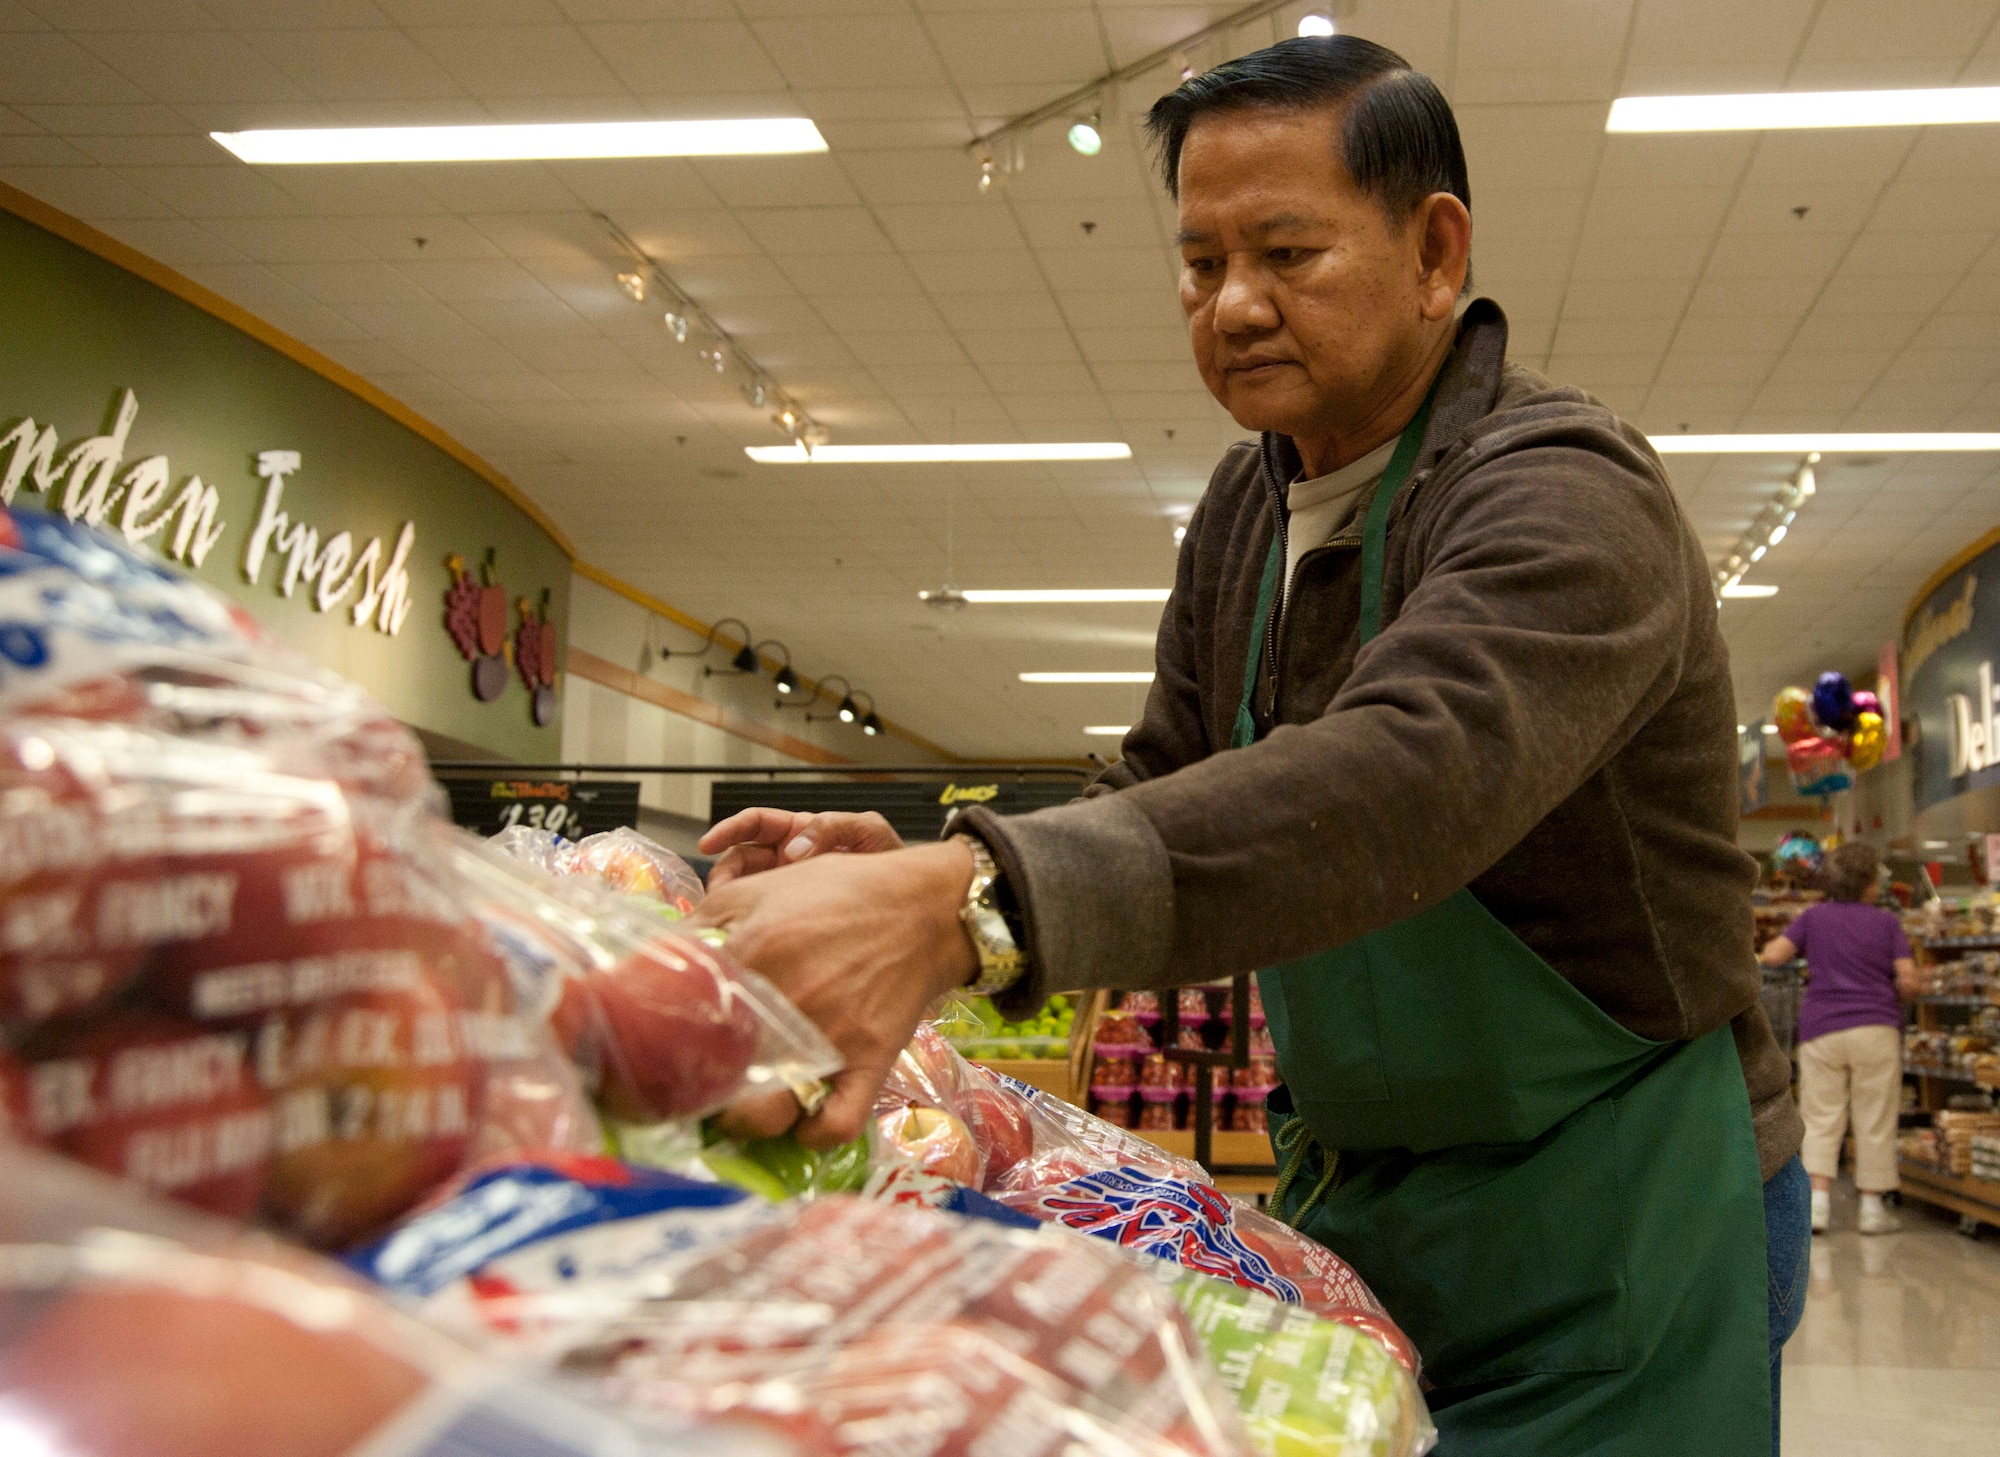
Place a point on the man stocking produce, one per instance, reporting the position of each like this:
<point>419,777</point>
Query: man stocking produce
<point>1441,740</point>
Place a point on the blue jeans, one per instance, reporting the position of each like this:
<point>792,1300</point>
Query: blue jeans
<point>1787,1242</point>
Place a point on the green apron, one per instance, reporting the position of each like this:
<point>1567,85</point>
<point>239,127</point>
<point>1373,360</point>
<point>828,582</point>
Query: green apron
<point>1566,1217</point>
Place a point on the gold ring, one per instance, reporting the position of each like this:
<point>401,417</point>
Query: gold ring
<point>812,1096</point>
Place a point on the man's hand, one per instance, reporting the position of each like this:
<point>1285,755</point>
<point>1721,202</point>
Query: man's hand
<point>756,840</point>
<point>863,945</point>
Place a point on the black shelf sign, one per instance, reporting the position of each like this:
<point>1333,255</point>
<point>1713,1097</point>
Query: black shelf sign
<point>572,808</point>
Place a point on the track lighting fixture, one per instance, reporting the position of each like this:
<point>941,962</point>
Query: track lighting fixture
<point>871,725</point>
<point>785,678</point>
<point>677,325</point>
<point>634,285</point>
<point>1084,136</point>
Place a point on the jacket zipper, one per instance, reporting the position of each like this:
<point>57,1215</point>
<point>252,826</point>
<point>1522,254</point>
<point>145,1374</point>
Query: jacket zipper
<point>1281,517</point>
<point>1273,625</point>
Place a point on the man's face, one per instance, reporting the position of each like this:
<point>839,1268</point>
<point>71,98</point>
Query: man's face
<point>1303,298</point>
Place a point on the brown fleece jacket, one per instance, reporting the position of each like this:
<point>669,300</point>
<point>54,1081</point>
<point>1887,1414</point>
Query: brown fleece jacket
<point>1546,717</point>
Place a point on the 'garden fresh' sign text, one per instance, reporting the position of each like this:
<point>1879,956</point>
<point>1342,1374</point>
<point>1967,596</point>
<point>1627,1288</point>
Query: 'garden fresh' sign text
<point>86,483</point>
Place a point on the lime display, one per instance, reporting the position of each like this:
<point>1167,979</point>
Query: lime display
<point>974,1026</point>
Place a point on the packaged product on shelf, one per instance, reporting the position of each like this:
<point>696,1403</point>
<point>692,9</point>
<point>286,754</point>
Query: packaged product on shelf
<point>1145,1006</point>
<point>1193,1003</point>
<point>1114,1106</point>
<point>855,1326</point>
<point>128,1327</point>
<point>1248,1116</point>
<point>1120,1034</point>
<point>245,962</point>
<point>1308,1387</point>
<point>1983,1151</point>
<point>1114,1071</point>
<point>1955,1130</point>
<point>1156,1109</point>
<point>1157,1070</point>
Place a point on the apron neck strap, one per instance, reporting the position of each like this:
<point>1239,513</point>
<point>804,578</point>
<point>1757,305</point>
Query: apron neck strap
<point>1375,528</point>
<point>1374,533</point>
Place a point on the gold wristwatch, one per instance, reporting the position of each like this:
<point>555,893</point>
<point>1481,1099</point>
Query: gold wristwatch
<point>1001,961</point>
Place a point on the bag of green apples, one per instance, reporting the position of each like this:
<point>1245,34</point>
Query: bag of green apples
<point>1306,1386</point>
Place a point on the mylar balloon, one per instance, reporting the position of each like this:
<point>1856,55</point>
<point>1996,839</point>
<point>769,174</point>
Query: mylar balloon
<point>1797,853</point>
<point>1791,711</point>
<point>1833,702</point>
<point>1865,741</point>
<point>1866,702</point>
<point>1819,766</point>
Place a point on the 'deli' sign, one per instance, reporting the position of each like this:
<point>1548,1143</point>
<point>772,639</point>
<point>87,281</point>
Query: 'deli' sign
<point>128,400</point>
<point>1949,657</point>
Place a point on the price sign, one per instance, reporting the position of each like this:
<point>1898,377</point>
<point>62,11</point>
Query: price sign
<point>571,808</point>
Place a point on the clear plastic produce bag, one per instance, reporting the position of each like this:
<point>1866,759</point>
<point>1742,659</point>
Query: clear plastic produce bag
<point>244,961</point>
<point>622,860</point>
<point>856,1326</point>
<point>1046,1158</point>
<point>131,1329</point>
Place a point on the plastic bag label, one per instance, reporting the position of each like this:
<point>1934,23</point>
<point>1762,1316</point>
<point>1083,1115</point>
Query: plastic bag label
<point>73,606</point>
<point>513,1208</point>
<point>1187,1224</point>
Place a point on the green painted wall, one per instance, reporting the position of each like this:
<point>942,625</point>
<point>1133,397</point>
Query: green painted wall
<point>76,331</point>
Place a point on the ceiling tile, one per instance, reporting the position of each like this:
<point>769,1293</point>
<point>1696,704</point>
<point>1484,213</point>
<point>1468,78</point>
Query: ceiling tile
<point>507,61</point>
<point>689,55</point>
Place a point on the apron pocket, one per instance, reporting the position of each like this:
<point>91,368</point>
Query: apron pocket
<point>1500,1261</point>
<point>1337,1063</point>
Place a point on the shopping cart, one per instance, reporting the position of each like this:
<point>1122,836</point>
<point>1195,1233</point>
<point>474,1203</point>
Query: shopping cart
<point>1783,986</point>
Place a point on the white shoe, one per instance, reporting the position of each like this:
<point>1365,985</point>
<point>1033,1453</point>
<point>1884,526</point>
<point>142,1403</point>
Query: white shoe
<point>1822,1211</point>
<point>1878,1220</point>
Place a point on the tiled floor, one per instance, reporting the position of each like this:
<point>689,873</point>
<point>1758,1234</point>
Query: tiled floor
<point>1899,1351</point>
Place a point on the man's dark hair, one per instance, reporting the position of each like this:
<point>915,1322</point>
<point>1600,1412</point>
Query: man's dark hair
<point>1398,138</point>
<point>1850,870</point>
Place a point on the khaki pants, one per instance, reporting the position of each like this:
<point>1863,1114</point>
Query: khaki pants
<point>1861,1066</point>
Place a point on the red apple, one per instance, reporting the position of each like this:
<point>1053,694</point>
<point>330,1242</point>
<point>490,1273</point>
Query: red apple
<point>377,1099</point>
<point>665,1033</point>
<point>170,1105</point>
<point>937,1142</point>
<point>1000,1124</point>
<point>140,1371</point>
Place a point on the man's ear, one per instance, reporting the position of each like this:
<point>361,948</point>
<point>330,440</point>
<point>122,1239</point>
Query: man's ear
<point>1442,229</point>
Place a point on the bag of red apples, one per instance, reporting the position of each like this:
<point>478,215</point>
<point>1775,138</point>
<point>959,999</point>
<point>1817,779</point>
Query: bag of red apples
<point>1315,1360</point>
<point>130,1328</point>
<point>854,1327</point>
<point>244,962</point>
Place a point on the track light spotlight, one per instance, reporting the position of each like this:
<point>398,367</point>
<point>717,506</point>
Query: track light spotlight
<point>1085,137</point>
<point>634,285</point>
<point>677,325</point>
<point>871,725</point>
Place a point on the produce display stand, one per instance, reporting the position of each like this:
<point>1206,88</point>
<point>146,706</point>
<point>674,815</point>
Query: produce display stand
<point>1068,1077</point>
<point>1243,1160</point>
<point>1975,1201</point>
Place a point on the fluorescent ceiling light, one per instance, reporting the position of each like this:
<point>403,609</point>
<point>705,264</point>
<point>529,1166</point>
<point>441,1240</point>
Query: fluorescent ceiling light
<point>1853,443</point>
<point>1794,110</point>
<point>937,454</point>
<point>1086,677</point>
<point>1109,730</point>
<point>1070,594</point>
<point>732,137</point>
<point>1744,589</point>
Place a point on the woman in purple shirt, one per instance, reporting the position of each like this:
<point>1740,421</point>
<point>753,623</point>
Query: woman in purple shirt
<point>1850,1031</point>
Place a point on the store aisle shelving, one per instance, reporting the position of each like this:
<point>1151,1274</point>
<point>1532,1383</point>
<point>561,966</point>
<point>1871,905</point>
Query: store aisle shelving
<point>1899,1350</point>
